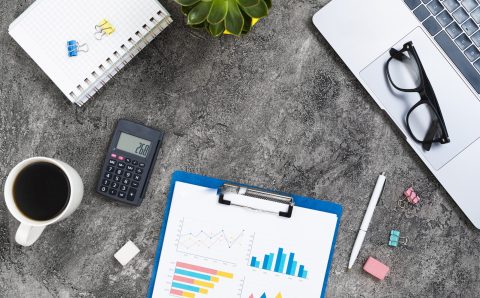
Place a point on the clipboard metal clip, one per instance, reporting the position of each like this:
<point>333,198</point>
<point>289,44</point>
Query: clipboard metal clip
<point>244,192</point>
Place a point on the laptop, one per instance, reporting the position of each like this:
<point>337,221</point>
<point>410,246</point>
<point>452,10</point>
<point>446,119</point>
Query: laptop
<point>446,38</point>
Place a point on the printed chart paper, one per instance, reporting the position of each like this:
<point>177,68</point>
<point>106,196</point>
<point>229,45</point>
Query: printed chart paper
<point>212,250</point>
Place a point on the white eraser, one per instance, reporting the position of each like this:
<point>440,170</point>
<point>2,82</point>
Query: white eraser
<point>127,253</point>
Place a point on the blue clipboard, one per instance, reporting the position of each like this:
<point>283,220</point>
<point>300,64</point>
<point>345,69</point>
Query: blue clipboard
<point>216,184</point>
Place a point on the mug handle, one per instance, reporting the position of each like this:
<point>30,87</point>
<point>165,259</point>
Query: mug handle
<point>27,235</point>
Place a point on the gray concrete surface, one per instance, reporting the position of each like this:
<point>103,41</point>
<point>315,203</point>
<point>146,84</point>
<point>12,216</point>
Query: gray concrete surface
<point>276,108</point>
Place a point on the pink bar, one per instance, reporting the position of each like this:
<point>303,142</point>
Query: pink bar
<point>176,292</point>
<point>183,279</point>
<point>196,268</point>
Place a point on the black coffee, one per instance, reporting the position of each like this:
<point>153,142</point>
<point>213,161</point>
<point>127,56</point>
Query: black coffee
<point>41,191</point>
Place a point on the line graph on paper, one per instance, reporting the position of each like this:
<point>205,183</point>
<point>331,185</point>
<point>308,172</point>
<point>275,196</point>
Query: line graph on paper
<point>206,240</point>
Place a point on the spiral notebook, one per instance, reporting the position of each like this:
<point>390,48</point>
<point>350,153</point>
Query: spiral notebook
<point>44,29</point>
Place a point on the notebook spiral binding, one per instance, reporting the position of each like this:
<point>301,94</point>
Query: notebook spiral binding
<point>256,193</point>
<point>120,58</point>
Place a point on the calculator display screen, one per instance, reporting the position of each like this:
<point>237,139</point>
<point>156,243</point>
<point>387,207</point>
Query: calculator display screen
<point>133,144</point>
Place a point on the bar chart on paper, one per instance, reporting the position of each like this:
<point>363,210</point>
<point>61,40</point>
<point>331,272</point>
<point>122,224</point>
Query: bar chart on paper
<point>190,280</point>
<point>280,262</point>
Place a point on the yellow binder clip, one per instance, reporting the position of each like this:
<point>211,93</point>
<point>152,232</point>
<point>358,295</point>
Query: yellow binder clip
<point>103,28</point>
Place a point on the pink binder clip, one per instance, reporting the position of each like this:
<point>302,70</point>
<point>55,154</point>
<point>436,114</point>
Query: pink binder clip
<point>411,196</point>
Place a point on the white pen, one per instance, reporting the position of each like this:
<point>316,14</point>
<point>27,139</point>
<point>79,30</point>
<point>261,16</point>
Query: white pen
<point>377,192</point>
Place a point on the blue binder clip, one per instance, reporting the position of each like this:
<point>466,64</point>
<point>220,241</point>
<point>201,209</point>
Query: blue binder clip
<point>73,47</point>
<point>395,239</point>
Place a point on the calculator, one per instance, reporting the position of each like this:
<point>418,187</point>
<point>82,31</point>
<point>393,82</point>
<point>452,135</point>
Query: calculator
<point>129,162</point>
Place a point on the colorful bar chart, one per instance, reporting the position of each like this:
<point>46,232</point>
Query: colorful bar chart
<point>190,280</point>
<point>283,263</point>
<point>264,295</point>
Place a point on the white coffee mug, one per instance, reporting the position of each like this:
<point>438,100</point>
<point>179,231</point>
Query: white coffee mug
<point>31,229</point>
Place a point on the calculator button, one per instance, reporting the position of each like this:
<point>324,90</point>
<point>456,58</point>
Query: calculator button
<point>122,195</point>
<point>134,184</point>
<point>137,177</point>
<point>113,155</point>
<point>121,165</point>
<point>117,178</point>
<point>139,171</point>
<point>112,162</point>
<point>128,160</point>
<point>110,169</point>
<point>106,182</point>
<point>123,188</point>
<point>108,175</point>
<point>128,175</point>
<point>113,192</point>
<point>134,162</point>
<point>131,194</point>
<point>119,172</point>
<point>126,181</point>
<point>115,185</point>
<point>130,168</point>
<point>142,165</point>
<point>103,189</point>
<point>121,158</point>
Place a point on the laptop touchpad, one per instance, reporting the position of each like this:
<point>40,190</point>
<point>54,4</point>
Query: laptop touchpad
<point>460,108</point>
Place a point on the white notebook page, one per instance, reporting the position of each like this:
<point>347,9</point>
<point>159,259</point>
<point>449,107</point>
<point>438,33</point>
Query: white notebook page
<point>44,29</point>
<point>201,232</point>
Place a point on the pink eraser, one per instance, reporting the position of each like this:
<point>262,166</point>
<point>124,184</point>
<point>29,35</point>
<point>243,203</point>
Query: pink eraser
<point>376,268</point>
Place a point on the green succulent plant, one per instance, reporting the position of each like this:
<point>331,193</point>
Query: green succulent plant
<point>220,17</point>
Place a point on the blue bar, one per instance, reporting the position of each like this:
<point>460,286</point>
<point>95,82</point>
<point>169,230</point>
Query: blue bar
<point>270,261</point>
<point>185,287</point>
<point>253,263</point>
<point>305,273</point>
<point>193,274</point>
<point>282,263</point>
<point>294,267</point>
<point>300,271</point>
<point>265,262</point>
<point>290,262</point>
<point>279,260</point>
<point>257,264</point>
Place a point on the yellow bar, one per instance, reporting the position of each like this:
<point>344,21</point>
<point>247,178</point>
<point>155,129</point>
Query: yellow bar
<point>189,295</point>
<point>203,291</point>
<point>225,274</point>
<point>203,284</point>
<point>279,295</point>
<point>214,279</point>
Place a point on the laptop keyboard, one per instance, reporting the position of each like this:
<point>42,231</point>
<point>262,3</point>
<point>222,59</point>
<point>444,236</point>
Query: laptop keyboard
<point>454,24</point>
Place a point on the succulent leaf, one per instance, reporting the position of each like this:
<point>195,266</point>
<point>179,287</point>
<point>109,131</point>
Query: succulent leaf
<point>186,9</point>
<point>258,11</point>
<point>269,3</point>
<point>187,2</point>
<point>199,26</point>
<point>199,13</point>
<point>234,19</point>
<point>247,3</point>
<point>218,11</point>
<point>247,26</point>
<point>216,29</point>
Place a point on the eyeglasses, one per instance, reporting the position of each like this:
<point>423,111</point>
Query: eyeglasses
<point>424,120</point>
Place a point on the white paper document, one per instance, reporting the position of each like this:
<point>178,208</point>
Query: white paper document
<point>212,250</point>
